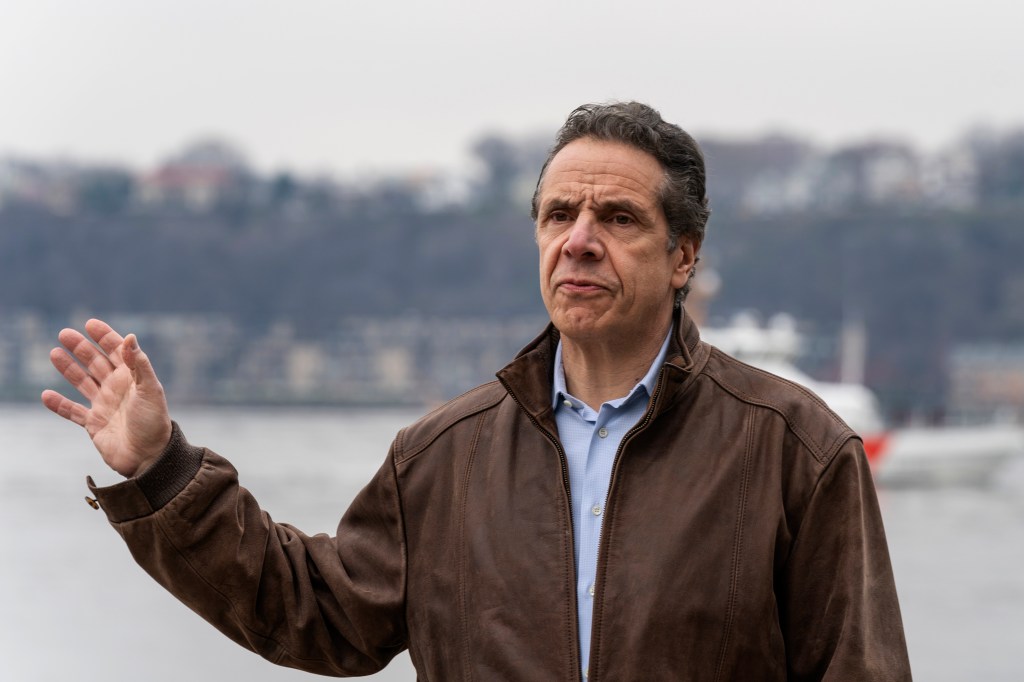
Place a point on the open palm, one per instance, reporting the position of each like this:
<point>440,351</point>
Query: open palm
<point>127,419</point>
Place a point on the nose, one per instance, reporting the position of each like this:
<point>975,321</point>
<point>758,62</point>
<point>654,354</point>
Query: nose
<point>583,240</point>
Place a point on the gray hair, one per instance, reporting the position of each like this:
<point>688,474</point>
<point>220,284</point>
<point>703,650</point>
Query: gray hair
<point>683,194</point>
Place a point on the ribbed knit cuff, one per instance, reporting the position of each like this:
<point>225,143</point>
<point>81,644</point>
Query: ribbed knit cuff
<point>169,475</point>
<point>156,486</point>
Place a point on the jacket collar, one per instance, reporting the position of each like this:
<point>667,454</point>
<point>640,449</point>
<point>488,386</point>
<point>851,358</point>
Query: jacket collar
<point>528,377</point>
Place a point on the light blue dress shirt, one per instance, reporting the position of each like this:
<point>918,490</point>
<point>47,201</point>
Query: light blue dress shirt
<point>590,440</point>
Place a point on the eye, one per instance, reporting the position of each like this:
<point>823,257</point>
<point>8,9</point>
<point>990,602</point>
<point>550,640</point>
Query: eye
<point>559,216</point>
<point>622,219</point>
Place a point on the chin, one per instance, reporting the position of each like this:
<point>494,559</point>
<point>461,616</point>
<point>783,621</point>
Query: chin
<point>579,327</point>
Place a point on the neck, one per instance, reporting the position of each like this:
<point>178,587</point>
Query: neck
<point>599,371</point>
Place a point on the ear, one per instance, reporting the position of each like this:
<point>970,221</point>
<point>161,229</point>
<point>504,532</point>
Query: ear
<point>684,258</point>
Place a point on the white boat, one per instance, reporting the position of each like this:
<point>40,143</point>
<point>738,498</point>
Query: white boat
<point>925,455</point>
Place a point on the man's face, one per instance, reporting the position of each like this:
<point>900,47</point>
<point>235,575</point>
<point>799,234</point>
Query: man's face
<point>606,273</point>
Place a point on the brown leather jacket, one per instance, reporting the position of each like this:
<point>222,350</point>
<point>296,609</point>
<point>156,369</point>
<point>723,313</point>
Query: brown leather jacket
<point>742,541</point>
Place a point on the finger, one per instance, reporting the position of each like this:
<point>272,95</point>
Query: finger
<point>64,407</point>
<point>74,374</point>
<point>95,362</point>
<point>138,362</point>
<point>109,340</point>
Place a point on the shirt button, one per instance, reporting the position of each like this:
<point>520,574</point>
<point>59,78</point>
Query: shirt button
<point>567,402</point>
<point>596,511</point>
<point>590,590</point>
<point>603,432</point>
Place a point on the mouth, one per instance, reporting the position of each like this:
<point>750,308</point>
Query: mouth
<point>579,286</point>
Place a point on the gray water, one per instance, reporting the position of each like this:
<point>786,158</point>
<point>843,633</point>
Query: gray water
<point>75,606</point>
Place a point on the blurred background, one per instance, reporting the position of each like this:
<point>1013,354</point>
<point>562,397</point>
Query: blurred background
<point>316,217</point>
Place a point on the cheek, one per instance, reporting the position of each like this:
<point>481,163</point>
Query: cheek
<point>548,255</point>
<point>642,274</point>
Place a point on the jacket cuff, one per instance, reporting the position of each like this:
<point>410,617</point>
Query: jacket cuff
<point>156,486</point>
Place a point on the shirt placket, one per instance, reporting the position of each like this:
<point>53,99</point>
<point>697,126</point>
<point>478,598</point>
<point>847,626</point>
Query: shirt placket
<point>599,455</point>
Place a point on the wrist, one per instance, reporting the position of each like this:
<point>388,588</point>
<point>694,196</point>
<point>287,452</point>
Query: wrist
<point>170,472</point>
<point>152,455</point>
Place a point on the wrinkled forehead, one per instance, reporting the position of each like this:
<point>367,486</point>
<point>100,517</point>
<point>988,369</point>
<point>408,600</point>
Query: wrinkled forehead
<point>601,170</point>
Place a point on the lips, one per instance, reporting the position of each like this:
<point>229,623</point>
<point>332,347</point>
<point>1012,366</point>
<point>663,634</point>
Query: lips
<point>579,285</point>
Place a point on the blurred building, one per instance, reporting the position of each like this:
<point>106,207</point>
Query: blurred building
<point>868,174</point>
<point>209,359</point>
<point>195,178</point>
<point>986,383</point>
<point>25,342</point>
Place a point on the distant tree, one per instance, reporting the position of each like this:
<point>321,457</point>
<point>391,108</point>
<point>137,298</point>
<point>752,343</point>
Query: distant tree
<point>502,165</point>
<point>734,164</point>
<point>870,173</point>
<point>282,188</point>
<point>105,191</point>
<point>211,152</point>
<point>1000,160</point>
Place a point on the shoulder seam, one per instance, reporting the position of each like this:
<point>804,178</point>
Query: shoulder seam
<point>404,452</point>
<point>822,454</point>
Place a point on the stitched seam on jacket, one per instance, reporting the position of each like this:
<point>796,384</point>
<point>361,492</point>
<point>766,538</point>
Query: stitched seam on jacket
<point>608,534</point>
<point>798,536</point>
<point>820,454</point>
<point>569,572</point>
<point>802,389</point>
<point>280,650</point>
<point>811,395</point>
<point>405,548</point>
<point>468,411</point>
<point>737,547</point>
<point>462,560</point>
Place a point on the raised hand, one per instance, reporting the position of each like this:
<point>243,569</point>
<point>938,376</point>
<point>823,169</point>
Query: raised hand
<point>127,420</point>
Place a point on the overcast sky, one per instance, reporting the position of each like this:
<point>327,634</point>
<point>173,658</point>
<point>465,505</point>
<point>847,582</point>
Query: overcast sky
<point>347,87</point>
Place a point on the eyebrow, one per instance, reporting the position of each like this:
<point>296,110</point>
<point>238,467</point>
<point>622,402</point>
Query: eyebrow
<point>558,204</point>
<point>610,206</point>
<point>626,205</point>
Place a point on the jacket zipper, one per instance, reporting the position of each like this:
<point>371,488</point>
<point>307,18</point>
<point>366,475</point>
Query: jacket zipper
<point>572,530</point>
<point>601,559</point>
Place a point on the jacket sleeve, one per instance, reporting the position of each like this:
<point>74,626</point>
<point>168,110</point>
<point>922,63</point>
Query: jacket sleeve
<point>839,611</point>
<point>333,606</point>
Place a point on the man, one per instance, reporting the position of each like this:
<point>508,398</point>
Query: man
<point>624,503</point>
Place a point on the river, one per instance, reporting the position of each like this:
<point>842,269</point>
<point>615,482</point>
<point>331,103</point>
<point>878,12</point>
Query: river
<point>75,606</point>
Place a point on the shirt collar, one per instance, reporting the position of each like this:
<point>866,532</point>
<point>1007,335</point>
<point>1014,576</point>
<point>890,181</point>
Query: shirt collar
<point>559,391</point>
